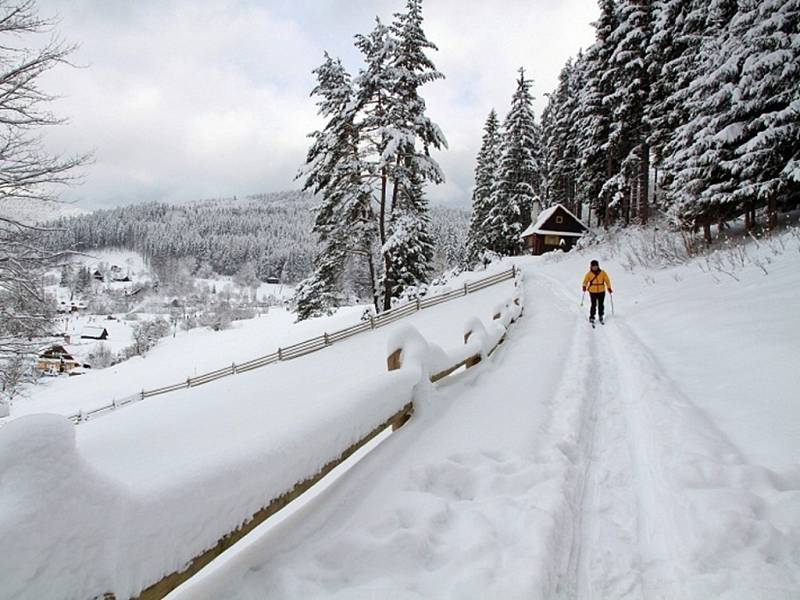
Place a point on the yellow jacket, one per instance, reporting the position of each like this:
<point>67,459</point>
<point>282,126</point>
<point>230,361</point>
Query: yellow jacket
<point>596,283</point>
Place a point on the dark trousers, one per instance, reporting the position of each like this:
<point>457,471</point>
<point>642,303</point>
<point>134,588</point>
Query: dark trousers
<point>598,304</point>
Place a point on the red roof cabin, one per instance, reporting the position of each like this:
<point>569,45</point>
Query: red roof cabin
<point>556,228</point>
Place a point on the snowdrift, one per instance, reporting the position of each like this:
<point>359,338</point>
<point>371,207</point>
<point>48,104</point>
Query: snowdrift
<point>70,530</point>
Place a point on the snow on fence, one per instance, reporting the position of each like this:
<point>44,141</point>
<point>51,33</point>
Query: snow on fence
<point>115,541</point>
<point>415,361</point>
<point>304,347</point>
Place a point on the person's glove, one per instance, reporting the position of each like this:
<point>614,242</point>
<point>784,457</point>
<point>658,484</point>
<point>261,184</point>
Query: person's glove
<point>610,291</point>
<point>584,288</point>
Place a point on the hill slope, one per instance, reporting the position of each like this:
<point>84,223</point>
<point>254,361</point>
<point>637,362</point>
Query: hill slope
<point>272,231</point>
<point>653,457</point>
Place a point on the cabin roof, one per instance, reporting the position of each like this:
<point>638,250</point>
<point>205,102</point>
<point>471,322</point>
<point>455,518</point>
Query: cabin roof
<point>55,349</point>
<point>544,217</point>
<point>93,331</point>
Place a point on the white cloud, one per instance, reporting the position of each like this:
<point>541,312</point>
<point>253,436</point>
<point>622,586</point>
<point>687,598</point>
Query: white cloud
<point>184,100</point>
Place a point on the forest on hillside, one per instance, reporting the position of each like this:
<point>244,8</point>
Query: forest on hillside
<point>270,232</point>
<point>686,109</point>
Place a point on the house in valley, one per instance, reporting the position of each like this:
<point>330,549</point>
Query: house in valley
<point>555,228</point>
<point>94,333</point>
<point>54,360</point>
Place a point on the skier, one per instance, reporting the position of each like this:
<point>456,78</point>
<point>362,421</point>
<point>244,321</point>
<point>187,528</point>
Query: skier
<point>596,282</point>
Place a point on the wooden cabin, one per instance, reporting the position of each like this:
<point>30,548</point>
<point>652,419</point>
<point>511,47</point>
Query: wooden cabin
<point>53,360</point>
<point>94,333</point>
<point>556,228</point>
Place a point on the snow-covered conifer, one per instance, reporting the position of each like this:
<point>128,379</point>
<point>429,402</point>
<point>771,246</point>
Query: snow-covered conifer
<point>597,162</point>
<point>628,101</point>
<point>518,181</point>
<point>486,170</point>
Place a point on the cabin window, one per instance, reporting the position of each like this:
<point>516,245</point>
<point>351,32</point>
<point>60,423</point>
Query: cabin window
<point>559,220</point>
<point>551,240</point>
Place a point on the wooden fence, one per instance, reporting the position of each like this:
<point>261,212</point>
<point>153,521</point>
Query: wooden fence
<point>305,347</point>
<point>167,584</point>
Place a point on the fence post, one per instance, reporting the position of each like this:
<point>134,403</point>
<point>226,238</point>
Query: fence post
<point>188,382</point>
<point>141,395</point>
<point>513,271</point>
<point>472,360</point>
<point>233,368</point>
<point>418,304</point>
<point>371,322</point>
<point>327,341</point>
<point>393,360</point>
<point>280,354</point>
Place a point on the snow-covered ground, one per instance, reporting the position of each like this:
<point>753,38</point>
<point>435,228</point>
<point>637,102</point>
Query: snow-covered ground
<point>188,354</point>
<point>175,473</point>
<point>173,360</point>
<point>263,292</point>
<point>655,457</point>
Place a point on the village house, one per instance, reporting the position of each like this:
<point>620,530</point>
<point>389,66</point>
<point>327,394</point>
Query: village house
<point>555,228</point>
<point>54,360</point>
<point>94,333</point>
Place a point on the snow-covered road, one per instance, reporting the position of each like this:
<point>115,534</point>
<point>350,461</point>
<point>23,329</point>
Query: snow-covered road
<point>571,465</point>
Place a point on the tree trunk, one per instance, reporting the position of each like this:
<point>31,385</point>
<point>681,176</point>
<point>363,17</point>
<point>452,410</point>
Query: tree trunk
<point>382,216</point>
<point>655,186</point>
<point>707,233</point>
<point>772,212</point>
<point>373,282</point>
<point>387,284</point>
<point>644,184</point>
<point>629,202</point>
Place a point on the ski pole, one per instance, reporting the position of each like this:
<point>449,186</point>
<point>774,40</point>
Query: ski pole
<point>612,303</point>
<point>583,298</point>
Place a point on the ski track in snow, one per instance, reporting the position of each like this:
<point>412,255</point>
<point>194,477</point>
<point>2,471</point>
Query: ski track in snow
<point>574,464</point>
<point>619,487</point>
<point>641,439</point>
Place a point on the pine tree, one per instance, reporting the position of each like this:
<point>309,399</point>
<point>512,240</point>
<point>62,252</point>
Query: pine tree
<point>486,170</point>
<point>628,133</point>
<point>559,142</point>
<point>318,294</point>
<point>372,161</point>
<point>518,182</point>
<point>766,115</point>
<point>597,162</point>
<point>334,169</point>
<point>412,166</point>
<point>410,243</point>
<point>701,185</point>
<point>672,58</point>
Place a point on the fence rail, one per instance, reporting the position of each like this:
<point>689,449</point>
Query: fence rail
<point>470,357</point>
<point>305,347</point>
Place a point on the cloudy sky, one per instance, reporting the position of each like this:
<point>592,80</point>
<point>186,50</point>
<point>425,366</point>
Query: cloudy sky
<point>199,99</point>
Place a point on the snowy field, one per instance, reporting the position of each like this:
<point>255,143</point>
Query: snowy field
<point>655,457</point>
<point>177,472</point>
<point>188,354</point>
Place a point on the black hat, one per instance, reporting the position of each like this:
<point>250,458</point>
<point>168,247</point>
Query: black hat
<point>594,263</point>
